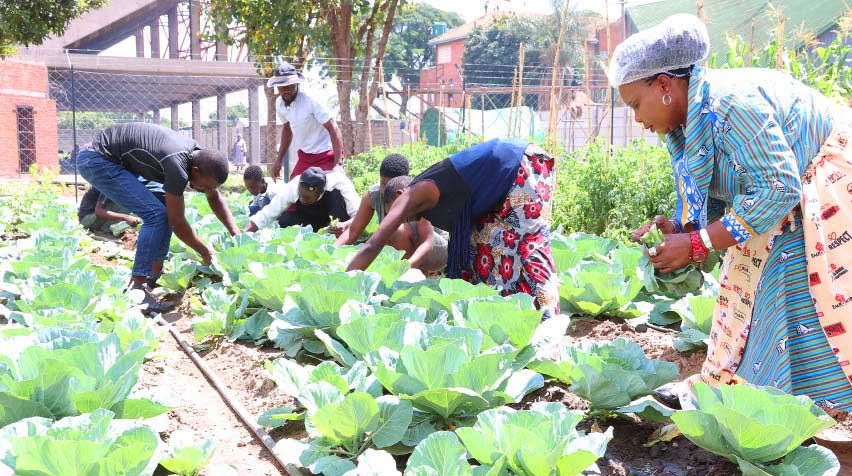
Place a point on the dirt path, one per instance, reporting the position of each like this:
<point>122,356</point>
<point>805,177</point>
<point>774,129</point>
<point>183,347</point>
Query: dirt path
<point>203,413</point>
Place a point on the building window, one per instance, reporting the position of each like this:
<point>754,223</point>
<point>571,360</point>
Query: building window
<point>26,138</point>
<point>444,54</point>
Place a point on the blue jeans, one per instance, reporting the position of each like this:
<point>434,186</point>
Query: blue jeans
<point>124,188</point>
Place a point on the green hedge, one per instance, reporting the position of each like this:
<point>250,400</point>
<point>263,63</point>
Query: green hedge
<point>595,193</point>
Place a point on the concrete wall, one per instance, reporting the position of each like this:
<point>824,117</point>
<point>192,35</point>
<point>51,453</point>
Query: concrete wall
<point>25,84</point>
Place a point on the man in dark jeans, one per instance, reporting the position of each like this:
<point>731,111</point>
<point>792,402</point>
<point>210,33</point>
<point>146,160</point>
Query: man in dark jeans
<point>120,154</point>
<point>318,195</point>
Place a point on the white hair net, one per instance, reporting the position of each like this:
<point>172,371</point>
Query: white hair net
<point>678,42</point>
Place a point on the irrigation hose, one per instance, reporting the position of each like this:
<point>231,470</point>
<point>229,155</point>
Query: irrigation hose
<point>236,406</point>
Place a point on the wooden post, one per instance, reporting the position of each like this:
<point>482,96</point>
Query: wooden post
<point>521,57</point>
<point>440,104</point>
<point>588,93</point>
<point>482,126</point>
<point>779,60</point>
<point>512,104</point>
<point>751,43</point>
<point>470,120</point>
<point>700,10</point>
<point>610,100</point>
<point>552,118</point>
<point>387,114</point>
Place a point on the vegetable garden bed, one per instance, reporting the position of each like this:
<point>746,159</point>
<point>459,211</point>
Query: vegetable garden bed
<point>355,371</point>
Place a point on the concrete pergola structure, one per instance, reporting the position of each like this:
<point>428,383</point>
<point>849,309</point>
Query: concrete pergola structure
<point>140,85</point>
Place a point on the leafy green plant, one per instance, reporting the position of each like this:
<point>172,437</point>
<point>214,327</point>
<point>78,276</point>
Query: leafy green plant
<point>185,458</point>
<point>696,314</point>
<point>345,414</point>
<point>609,374</point>
<point>541,441</point>
<point>91,444</point>
<point>178,273</point>
<point>315,302</point>
<point>55,383</point>
<point>451,378</point>
<point>753,426</point>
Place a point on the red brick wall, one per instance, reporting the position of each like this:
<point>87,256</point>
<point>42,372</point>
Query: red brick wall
<point>24,84</point>
<point>445,74</point>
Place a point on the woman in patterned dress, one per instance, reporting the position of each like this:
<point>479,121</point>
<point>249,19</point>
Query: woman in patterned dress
<point>495,200</point>
<point>762,170</point>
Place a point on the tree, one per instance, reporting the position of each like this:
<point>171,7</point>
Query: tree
<point>492,53</point>
<point>408,50</point>
<point>357,36</point>
<point>235,112</point>
<point>31,22</point>
<point>267,28</point>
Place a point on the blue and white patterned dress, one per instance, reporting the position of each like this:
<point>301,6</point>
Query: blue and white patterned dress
<point>749,137</point>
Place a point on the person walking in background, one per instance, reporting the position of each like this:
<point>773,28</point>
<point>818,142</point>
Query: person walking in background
<point>306,124</point>
<point>761,165</point>
<point>238,153</point>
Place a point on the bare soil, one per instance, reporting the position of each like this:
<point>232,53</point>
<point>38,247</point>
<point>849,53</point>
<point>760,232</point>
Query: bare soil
<point>203,413</point>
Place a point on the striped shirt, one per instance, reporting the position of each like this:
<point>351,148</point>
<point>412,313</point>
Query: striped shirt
<point>750,135</point>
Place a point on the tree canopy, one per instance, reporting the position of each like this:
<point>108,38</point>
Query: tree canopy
<point>32,21</point>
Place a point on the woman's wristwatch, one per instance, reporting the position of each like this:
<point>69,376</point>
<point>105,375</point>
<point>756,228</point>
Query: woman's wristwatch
<point>699,251</point>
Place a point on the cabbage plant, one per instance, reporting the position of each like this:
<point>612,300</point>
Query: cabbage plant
<point>56,383</point>
<point>91,444</point>
<point>696,313</point>
<point>542,441</point>
<point>609,374</point>
<point>348,419</point>
<point>450,378</point>
<point>753,426</point>
<point>315,302</point>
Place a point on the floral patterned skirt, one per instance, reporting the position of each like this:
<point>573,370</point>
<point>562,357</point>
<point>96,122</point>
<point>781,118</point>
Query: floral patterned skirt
<point>510,246</point>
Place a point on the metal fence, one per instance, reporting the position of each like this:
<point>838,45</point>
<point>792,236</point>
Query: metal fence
<point>207,101</point>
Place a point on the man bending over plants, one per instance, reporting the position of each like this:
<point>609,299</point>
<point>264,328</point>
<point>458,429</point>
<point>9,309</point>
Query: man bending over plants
<point>319,197</point>
<point>394,165</point>
<point>120,154</point>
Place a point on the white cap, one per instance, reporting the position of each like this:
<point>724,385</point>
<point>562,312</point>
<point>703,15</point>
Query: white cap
<point>680,41</point>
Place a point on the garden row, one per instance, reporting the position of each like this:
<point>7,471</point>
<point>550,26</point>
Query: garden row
<point>393,373</point>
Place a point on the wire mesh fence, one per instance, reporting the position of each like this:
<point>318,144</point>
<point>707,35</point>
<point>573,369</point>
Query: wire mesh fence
<point>214,102</point>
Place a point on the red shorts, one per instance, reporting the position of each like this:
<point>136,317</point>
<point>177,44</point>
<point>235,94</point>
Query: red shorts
<point>323,160</point>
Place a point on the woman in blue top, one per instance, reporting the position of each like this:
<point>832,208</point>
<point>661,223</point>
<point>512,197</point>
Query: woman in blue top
<point>495,200</point>
<point>761,170</point>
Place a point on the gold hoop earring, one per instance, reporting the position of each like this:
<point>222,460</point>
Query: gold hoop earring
<point>667,100</point>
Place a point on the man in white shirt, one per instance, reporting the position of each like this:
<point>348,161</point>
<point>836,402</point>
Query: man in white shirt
<point>318,196</point>
<point>306,122</point>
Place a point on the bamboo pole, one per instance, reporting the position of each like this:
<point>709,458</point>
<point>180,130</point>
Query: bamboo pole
<point>551,126</point>
<point>512,104</point>
<point>482,126</point>
<point>387,113</point>
<point>587,79</point>
<point>521,58</point>
<point>751,43</point>
<point>610,100</point>
<point>700,10</point>
<point>469,120</point>
<point>779,59</point>
<point>440,115</point>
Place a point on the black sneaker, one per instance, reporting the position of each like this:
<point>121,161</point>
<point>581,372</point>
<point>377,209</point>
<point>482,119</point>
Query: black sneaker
<point>156,306</point>
<point>667,397</point>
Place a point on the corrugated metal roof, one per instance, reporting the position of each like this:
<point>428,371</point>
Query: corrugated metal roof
<point>735,17</point>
